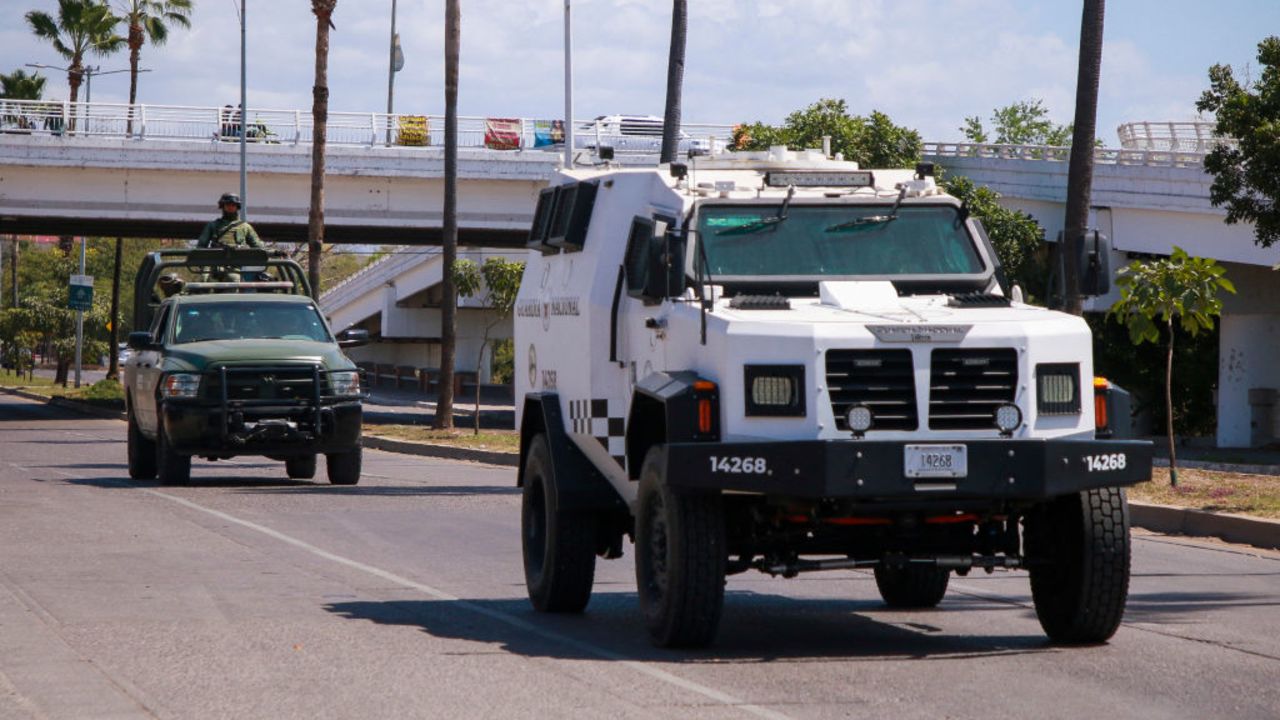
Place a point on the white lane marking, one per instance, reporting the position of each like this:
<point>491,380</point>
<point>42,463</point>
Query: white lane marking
<point>515,622</point>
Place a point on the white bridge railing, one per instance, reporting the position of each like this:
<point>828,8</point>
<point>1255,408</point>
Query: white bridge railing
<point>1198,137</point>
<point>1104,156</point>
<point>294,127</point>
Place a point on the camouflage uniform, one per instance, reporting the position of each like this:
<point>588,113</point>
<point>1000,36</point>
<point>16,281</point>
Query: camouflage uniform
<point>229,231</point>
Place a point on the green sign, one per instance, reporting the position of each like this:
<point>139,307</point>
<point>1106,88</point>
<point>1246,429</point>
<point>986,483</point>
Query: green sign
<point>80,296</point>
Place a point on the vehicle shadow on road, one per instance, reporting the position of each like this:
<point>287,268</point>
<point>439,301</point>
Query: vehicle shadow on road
<point>123,482</point>
<point>755,628</point>
<point>1163,607</point>
<point>390,490</point>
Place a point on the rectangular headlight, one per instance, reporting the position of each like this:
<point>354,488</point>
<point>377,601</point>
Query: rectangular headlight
<point>1058,389</point>
<point>776,390</point>
<point>345,383</point>
<point>181,385</point>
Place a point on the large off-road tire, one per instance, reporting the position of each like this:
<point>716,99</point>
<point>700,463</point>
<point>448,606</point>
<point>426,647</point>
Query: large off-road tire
<point>344,468</point>
<point>912,586</point>
<point>300,467</point>
<point>558,545</point>
<point>680,559</point>
<point>141,451</point>
<point>172,467</point>
<point>1078,552</point>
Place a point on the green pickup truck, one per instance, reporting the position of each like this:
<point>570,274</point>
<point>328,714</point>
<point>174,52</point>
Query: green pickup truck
<point>244,367</point>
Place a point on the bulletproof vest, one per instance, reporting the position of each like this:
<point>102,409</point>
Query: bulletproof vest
<point>222,239</point>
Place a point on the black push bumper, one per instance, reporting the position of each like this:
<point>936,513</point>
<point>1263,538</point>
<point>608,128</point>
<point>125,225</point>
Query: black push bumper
<point>205,428</point>
<point>876,470</point>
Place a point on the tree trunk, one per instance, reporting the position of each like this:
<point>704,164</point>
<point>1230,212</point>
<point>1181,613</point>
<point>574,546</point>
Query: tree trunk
<point>1080,171</point>
<point>320,120</point>
<point>1168,403</point>
<point>113,370</point>
<point>484,342</point>
<point>675,80</point>
<point>135,48</point>
<point>74,77</point>
<point>449,301</point>
<point>13,271</point>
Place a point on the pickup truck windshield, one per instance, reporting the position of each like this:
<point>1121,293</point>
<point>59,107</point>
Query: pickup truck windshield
<point>200,322</point>
<point>836,241</point>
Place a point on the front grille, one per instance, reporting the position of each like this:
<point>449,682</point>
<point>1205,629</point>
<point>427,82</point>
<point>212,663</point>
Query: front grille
<point>883,380</point>
<point>966,386</point>
<point>287,383</point>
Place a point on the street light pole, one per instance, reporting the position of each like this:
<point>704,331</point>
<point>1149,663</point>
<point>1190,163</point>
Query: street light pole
<point>568,88</point>
<point>244,119</point>
<point>80,317</point>
<point>391,72</point>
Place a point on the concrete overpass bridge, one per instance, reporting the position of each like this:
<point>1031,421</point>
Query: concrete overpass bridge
<point>156,171</point>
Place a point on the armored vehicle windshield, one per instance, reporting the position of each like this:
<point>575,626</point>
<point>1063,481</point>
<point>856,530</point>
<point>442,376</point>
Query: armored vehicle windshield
<point>831,242</point>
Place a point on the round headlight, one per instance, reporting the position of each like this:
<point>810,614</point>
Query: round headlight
<point>1008,418</point>
<point>859,418</point>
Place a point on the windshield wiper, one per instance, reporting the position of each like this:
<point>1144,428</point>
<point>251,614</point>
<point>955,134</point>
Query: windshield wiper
<point>872,219</point>
<point>762,223</point>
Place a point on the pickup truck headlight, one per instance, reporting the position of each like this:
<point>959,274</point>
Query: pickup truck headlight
<point>345,383</point>
<point>180,385</point>
<point>775,390</point>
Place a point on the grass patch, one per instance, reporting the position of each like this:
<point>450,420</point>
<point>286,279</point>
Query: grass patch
<point>495,440</point>
<point>1257,495</point>
<point>104,393</point>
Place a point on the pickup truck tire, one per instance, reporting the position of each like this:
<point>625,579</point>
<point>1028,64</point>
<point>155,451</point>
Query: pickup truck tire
<point>1078,554</point>
<point>141,452</point>
<point>172,468</point>
<point>301,467</point>
<point>913,586</point>
<point>558,545</point>
<point>344,468</point>
<point>680,559</point>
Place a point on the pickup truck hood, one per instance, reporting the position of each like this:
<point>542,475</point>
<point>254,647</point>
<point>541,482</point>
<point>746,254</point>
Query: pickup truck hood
<point>201,355</point>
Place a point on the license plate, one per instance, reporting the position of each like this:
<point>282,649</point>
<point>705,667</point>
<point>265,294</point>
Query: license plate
<point>935,461</point>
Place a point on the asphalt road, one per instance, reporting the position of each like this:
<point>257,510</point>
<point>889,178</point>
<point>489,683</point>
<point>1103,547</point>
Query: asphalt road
<point>249,595</point>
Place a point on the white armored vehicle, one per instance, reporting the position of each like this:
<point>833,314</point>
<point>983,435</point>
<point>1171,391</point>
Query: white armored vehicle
<point>780,362</point>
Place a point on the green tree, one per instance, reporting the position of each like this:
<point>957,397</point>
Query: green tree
<point>1022,123</point>
<point>872,141</point>
<point>1017,237</point>
<point>82,26</point>
<point>500,280</point>
<point>149,20</point>
<point>1246,176</point>
<point>1181,288</point>
<point>18,85</point>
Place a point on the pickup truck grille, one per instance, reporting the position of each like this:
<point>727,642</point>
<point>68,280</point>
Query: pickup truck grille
<point>967,385</point>
<point>287,383</point>
<point>883,380</point>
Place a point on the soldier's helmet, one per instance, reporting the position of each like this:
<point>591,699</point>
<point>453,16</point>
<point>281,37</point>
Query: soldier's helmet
<point>230,198</point>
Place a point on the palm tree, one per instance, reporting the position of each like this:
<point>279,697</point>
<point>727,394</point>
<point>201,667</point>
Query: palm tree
<point>675,80</point>
<point>18,85</point>
<point>323,10</point>
<point>82,26</point>
<point>1080,169</point>
<point>149,20</point>
<point>449,301</point>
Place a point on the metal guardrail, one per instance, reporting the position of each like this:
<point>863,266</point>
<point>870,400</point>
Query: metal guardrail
<point>294,127</point>
<point>1198,137</point>
<point>1049,153</point>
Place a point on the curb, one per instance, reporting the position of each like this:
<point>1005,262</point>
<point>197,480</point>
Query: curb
<point>1162,462</point>
<point>73,405</point>
<point>1258,532</point>
<point>409,447</point>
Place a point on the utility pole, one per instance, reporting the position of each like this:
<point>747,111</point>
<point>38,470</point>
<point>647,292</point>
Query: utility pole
<point>675,81</point>
<point>244,120</point>
<point>113,370</point>
<point>392,68</point>
<point>1080,169</point>
<point>568,87</point>
<point>80,316</point>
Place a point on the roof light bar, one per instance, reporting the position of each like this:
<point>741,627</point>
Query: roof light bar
<point>859,178</point>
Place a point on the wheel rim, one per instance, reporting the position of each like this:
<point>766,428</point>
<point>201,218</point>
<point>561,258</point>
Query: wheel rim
<point>535,527</point>
<point>657,546</point>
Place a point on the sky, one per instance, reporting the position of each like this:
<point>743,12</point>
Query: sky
<point>928,64</point>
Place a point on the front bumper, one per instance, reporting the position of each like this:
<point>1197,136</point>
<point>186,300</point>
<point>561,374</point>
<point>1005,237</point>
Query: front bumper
<point>194,427</point>
<point>875,470</point>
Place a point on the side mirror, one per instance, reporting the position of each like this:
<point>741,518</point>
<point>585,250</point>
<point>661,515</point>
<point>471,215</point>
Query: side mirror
<point>353,337</point>
<point>1095,264</point>
<point>140,340</point>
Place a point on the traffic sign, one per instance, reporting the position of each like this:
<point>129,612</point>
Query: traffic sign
<point>80,296</point>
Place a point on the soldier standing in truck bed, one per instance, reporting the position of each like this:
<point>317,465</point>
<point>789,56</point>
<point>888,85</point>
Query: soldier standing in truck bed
<point>229,230</point>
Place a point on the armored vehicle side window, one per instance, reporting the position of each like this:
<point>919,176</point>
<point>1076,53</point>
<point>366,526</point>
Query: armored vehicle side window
<point>836,241</point>
<point>200,322</point>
